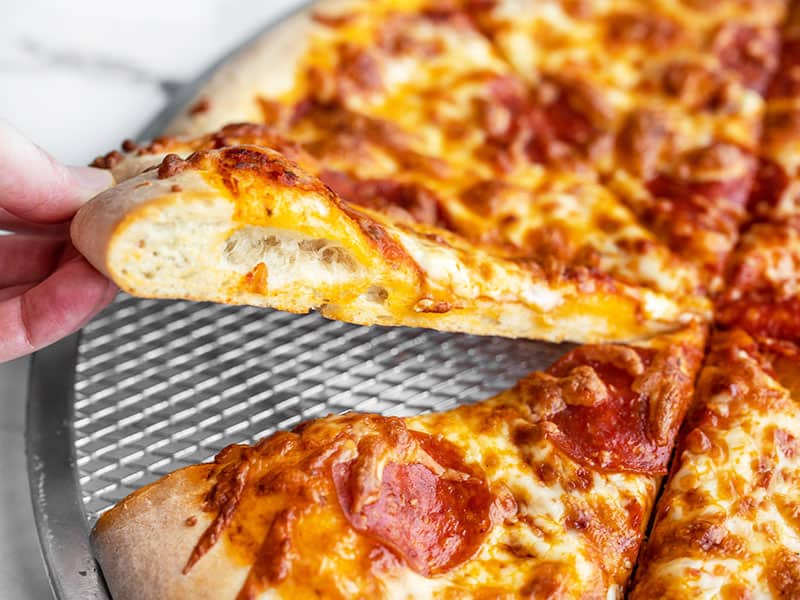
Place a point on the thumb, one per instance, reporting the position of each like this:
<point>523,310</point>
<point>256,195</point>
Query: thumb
<point>35,187</point>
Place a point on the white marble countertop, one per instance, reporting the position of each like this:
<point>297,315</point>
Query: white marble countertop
<point>77,78</point>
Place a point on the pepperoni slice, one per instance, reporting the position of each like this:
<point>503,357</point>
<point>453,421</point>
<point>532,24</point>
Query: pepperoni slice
<point>611,435</point>
<point>751,53</point>
<point>707,191</point>
<point>557,122</point>
<point>786,82</point>
<point>761,316</point>
<point>768,187</point>
<point>760,296</point>
<point>559,130</point>
<point>692,196</point>
<point>408,201</point>
<point>432,521</point>
<point>684,207</point>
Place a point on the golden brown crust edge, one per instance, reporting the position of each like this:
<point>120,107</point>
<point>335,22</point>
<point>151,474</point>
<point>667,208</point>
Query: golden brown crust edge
<point>142,543</point>
<point>231,94</point>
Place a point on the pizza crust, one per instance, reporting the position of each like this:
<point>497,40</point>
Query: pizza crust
<point>144,540</point>
<point>267,68</point>
<point>177,238</point>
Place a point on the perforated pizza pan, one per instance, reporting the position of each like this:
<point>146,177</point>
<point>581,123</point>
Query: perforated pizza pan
<point>152,386</point>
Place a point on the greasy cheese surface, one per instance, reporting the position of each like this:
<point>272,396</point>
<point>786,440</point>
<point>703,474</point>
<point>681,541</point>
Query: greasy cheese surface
<point>590,139</point>
<point>460,102</point>
<point>604,142</point>
<point>762,294</point>
<point>487,500</point>
<point>670,94</point>
<point>472,143</point>
<point>775,196</point>
<point>727,525</point>
<point>423,109</point>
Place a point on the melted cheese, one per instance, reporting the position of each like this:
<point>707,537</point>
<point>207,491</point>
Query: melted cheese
<point>731,505</point>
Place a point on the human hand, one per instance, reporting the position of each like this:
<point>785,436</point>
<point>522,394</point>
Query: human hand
<point>47,289</point>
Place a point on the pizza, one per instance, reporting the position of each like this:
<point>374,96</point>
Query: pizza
<point>660,102</point>
<point>617,173</point>
<point>681,87</point>
<point>762,292</point>
<point>602,151</point>
<point>544,490</point>
<point>727,523</point>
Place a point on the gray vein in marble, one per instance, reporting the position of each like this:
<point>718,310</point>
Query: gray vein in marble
<point>53,57</point>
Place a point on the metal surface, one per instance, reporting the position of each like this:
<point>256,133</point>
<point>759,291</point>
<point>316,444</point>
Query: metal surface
<point>153,386</point>
<point>57,504</point>
<point>161,385</point>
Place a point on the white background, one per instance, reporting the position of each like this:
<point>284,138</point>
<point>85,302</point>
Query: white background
<point>77,77</point>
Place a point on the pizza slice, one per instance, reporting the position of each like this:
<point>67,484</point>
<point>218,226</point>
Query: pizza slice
<point>243,225</point>
<point>561,222</point>
<point>762,296</point>
<point>406,79</point>
<point>776,193</point>
<point>542,491</point>
<point>727,525</point>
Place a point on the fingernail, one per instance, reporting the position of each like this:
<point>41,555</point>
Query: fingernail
<point>91,181</point>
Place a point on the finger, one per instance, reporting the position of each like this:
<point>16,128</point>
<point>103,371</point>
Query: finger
<point>35,187</point>
<point>70,253</point>
<point>59,305</point>
<point>15,290</point>
<point>9,222</point>
<point>26,259</point>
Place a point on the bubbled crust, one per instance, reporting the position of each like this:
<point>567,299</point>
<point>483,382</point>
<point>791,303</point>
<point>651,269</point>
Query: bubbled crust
<point>231,94</point>
<point>137,158</point>
<point>727,522</point>
<point>478,501</point>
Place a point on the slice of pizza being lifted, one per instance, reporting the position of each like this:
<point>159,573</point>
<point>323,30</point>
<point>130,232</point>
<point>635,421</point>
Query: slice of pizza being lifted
<point>544,490</point>
<point>244,225</point>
